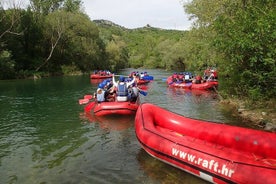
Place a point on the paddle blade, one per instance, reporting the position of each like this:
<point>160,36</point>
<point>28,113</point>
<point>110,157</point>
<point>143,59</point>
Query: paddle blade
<point>143,92</point>
<point>88,97</point>
<point>83,101</point>
<point>147,77</point>
<point>89,107</point>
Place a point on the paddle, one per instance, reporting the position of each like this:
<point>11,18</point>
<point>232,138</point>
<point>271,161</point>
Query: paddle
<point>85,99</point>
<point>142,92</point>
<point>166,79</point>
<point>88,97</point>
<point>147,77</point>
<point>171,83</point>
<point>121,75</point>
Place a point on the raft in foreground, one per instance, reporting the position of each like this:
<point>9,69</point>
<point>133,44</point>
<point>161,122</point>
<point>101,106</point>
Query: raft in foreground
<point>111,108</point>
<point>215,152</point>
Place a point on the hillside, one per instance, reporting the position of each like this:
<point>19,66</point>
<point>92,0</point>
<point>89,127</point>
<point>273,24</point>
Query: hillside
<point>146,46</point>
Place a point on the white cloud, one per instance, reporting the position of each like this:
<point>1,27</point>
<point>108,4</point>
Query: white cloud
<point>168,14</point>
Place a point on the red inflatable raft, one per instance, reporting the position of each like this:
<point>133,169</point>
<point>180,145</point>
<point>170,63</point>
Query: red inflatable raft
<point>203,86</point>
<point>98,76</point>
<point>142,81</point>
<point>109,108</point>
<point>206,85</point>
<point>215,152</point>
<point>184,85</point>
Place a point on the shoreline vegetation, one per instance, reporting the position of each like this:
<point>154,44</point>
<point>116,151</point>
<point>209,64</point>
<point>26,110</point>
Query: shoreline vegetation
<point>261,116</point>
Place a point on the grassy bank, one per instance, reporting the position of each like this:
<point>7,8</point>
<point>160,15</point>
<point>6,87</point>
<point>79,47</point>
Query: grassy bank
<point>260,115</point>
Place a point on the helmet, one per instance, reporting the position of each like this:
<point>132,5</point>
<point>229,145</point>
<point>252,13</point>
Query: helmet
<point>121,79</point>
<point>104,82</point>
<point>101,85</point>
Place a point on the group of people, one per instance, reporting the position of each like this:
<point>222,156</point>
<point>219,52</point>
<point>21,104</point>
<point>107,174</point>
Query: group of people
<point>210,74</point>
<point>121,90</point>
<point>137,75</point>
<point>102,72</point>
<point>182,77</point>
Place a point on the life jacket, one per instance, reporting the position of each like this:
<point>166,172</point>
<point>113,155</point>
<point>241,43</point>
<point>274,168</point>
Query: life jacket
<point>215,74</point>
<point>181,77</point>
<point>187,77</point>
<point>122,89</point>
<point>198,77</point>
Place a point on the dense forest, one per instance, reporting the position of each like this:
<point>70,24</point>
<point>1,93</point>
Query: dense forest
<point>56,37</point>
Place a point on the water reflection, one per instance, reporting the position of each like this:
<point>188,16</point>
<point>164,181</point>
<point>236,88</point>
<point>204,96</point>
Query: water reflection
<point>96,81</point>
<point>164,173</point>
<point>112,122</point>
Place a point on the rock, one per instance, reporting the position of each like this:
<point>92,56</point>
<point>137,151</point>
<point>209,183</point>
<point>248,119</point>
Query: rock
<point>264,113</point>
<point>240,110</point>
<point>270,127</point>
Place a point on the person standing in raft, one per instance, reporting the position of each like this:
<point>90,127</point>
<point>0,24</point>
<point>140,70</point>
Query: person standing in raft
<point>122,87</point>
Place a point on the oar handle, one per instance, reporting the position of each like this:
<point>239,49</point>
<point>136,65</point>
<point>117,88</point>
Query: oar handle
<point>120,75</point>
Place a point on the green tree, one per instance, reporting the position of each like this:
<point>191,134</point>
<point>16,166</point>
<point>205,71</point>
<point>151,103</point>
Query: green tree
<point>246,34</point>
<point>117,53</point>
<point>241,37</point>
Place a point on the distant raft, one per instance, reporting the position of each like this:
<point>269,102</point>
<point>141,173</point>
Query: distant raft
<point>99,76</point>
<point>189,85</point>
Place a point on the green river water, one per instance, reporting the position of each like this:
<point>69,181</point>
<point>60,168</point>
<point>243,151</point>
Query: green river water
<point>46,139</point>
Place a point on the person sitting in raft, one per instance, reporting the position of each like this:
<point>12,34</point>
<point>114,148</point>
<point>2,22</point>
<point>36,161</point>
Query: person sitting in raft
<point>142,75</point>
<point>187,77</point>
<point>181,77</point>
<point>122,88</point>
<point>101,93</point>
<point>175,77</point>
<point>213,76</point>
<point>133,92</point>
<point>109,90</point>
<point>198,79</point>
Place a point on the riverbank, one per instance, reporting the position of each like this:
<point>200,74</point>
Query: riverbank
<point>262,116</point>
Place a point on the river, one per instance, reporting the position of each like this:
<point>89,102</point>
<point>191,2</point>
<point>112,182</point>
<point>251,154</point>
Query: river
<point>45,137</point>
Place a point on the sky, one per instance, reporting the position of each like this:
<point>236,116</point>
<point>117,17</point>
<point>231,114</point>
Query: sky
<point>166,14</point>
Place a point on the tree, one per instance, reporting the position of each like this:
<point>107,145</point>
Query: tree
<point>117,53</point>
<point>54,29</point>
<point>243,40</point>
<point>9,19</point>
